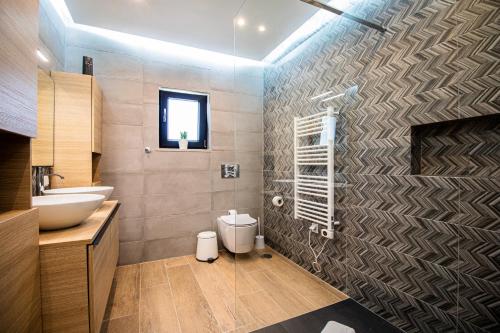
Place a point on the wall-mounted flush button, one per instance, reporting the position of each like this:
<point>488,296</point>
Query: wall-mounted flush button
<point>230,171</point>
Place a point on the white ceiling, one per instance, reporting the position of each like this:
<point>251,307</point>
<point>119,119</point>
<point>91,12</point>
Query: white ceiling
<point>205,24</point>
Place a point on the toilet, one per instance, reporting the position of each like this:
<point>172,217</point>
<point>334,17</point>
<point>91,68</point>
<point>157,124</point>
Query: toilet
<point>237,232</point>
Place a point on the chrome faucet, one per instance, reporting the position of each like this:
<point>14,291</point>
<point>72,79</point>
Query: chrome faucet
<point>56,174</point>
<point>38,185</point>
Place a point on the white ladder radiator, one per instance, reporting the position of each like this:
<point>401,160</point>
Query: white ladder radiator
<point>314,194</point>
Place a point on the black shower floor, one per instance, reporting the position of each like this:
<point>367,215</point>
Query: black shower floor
<point>347,312</point>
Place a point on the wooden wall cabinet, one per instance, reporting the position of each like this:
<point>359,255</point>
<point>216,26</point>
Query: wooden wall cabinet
<point>77,268</point>
<point>77,134</point>
<point>42,146</point>
<point>18,64</point>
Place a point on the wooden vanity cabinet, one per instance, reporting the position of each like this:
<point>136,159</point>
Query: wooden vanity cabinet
<point>77,133</point>
<point>77,268</point>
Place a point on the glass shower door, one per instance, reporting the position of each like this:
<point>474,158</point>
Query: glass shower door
<point>303,154</point>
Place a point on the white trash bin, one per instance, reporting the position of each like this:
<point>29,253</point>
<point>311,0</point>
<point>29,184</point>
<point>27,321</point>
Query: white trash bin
<point>206,249</point>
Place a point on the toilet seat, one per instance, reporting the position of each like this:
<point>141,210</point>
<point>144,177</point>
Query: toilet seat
<point>240,220</point>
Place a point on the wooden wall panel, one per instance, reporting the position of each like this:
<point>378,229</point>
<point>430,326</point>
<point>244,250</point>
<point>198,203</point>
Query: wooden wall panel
<point>19,40</point>
<point>19,272</point>
<point>43,146</point>
<point>72,149</point>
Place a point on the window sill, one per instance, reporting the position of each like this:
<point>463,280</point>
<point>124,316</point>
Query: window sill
<point>183,150</point>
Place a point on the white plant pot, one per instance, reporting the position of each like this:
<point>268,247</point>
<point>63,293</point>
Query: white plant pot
<point>183,144</point>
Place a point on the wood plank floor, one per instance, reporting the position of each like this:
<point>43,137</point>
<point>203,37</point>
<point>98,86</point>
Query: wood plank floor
<point>231,295</point>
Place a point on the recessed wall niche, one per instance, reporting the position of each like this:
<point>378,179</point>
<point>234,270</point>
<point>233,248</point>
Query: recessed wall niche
<point>458,148</point>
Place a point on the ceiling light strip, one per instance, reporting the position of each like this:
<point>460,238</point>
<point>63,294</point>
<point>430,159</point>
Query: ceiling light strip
<point>153,45</point>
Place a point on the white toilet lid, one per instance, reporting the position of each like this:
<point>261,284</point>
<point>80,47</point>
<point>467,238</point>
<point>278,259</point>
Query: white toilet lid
<point>239,219</point>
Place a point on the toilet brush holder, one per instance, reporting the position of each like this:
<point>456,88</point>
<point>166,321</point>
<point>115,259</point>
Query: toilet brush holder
<point>259,242</point>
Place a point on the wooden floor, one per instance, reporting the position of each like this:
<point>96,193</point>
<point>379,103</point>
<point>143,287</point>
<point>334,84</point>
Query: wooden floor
<point>184,295</point>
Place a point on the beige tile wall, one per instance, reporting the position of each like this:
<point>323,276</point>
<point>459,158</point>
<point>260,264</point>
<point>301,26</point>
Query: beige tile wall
<point>168,196</point>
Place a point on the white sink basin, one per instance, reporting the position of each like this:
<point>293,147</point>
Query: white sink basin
<point>64,211</point>
<point>104,190</point>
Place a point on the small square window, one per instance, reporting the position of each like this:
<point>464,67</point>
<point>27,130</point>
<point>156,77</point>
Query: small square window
<point>183,112</point>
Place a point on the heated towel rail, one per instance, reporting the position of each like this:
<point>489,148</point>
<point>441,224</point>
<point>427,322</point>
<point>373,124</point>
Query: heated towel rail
<point>314,138</point>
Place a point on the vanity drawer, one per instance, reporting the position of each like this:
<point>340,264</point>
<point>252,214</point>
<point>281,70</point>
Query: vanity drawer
<point>103,258</point>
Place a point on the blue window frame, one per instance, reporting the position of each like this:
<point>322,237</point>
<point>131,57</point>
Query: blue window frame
<point>183,111</point>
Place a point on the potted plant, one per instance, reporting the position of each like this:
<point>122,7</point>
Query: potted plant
<point>183,142</point>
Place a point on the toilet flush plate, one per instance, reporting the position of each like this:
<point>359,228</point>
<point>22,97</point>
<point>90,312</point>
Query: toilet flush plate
<point>230,171</point>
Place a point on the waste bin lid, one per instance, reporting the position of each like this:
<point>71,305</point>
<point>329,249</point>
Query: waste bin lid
<point>207,234</point>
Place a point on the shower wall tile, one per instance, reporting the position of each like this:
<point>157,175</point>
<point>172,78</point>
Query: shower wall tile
<point>150,115</point>
<point>480,253</point>
<point>248,122</point>
<point>122,160</point>
<point>430,283</point>
<point>180,203</point>
<point>480,203</point>
<point>222,140</point>
<point>247,199</point>
<point>132,207</point>
<point>246,141</point>
<point>418,250</point>
<point>408,313</point>
<point>125,184</point>
<point>250,160</point>
<point>177,182</point>
<point>434,198</point>
<point>249,181</point>
<point>222,184</point>
<point>131,252</point>
<point>176,226</point>
<point>124,136</point>
<point>479,302</point>
<point>121,91</point>
<point>222,121</point>
<point>223,201</point>
<point>169,247</point>
<point>175,76</point>
<point>131,229</point>
<point>158,162</point>
<point>429,240</point>
<point>221,157</point>
<point>121,114</point>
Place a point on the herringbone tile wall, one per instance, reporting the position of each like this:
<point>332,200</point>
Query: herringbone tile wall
<point>423,251</point>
